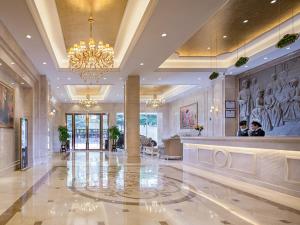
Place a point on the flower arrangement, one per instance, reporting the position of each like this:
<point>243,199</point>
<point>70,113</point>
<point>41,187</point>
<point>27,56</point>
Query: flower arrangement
<point>287,40</point>
<point>241,61</point>
<point>199,128</point>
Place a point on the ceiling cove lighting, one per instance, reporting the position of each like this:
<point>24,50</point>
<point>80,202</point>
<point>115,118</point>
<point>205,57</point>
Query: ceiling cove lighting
<point>91,58</point>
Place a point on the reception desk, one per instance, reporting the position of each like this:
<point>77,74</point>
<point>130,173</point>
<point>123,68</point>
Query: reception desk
<point>272,163</point>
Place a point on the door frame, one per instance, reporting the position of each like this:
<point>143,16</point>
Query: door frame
<point>87,129</point>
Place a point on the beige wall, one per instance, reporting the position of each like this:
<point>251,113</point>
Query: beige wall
<point>9,138</point>
<point>213,122</point>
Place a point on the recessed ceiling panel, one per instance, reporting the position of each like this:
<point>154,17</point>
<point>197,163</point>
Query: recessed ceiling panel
<point>237,23</point>
<point>74,14</point>
<point>79,92</point>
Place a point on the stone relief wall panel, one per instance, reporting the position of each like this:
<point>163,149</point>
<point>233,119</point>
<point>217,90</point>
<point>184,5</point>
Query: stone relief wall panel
<point>272,97</point>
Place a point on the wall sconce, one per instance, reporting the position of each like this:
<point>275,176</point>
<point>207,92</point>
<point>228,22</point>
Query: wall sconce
<point>214,109</point>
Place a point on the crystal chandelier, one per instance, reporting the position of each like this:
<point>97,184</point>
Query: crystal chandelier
<point>92,58</point>
<point>155,102</point>
<point>88,102</point>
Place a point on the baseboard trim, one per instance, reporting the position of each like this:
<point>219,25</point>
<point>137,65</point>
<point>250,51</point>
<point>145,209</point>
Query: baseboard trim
<point>11,168</point>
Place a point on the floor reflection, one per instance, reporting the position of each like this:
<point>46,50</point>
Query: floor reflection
<point>100,188</point>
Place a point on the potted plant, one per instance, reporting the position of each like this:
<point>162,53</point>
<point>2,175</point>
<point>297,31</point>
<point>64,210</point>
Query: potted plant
<point>63,137</point>
<point>241,61</point>
<point>287,40</point>
<point>213,76</point>
<point>199,128</point>
<point>114,134</point>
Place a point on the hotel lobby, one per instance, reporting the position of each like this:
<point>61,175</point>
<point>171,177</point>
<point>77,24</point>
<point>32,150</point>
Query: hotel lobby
<point>149,112</point>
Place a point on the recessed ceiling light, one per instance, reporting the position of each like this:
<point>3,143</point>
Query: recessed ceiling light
<point>288,48</point>
<point>224,36</point>
<point>22,83</point>
<point>230,73</point>
<point>265,58</point>
<point>141,64</point>
<point>143,78</point>
<point>28,36</point>
<point>44,63</point>
<point>208,48</point>
<point>57,87</point>
<point>0,64</point>
<point>245,21</point>
<point>12,63</point>
<point>273,1</point>
<point>12,83</point>
<point>163,35</point>
<point>104,78</point>
<point>246,66</point>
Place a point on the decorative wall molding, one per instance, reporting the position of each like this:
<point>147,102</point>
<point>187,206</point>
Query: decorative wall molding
<point>292,169</point>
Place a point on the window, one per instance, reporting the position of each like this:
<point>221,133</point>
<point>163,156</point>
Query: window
<point>148,124</point>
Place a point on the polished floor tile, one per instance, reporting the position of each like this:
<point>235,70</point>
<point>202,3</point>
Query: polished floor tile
<point>101,189</point>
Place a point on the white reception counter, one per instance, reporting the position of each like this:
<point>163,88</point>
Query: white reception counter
<point>267,162</point>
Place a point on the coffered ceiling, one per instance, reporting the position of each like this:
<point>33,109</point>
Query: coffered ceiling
<point>241,21</point>
<point>74,14</point>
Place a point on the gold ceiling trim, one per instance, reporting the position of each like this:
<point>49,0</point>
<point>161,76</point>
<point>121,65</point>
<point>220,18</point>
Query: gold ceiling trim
<point>261,15</point>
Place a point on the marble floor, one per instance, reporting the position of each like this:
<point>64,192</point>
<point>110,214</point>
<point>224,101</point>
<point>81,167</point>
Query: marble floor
<point>98,188</point>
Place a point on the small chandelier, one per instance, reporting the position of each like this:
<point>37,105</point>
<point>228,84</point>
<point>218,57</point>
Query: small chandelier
<point>88,102</point>
<point>155,102</point>
<point>91,60</point>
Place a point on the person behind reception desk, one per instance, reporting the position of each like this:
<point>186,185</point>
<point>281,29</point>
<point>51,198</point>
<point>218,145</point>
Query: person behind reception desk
<point>243,130</point>
<point>256,129</point>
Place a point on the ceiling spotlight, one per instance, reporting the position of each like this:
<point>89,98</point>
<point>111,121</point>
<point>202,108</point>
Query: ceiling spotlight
<point>104,78</point>
<point>273,1</point>
<point>28,36</point>
<point>245,21</point>
<point>163,35</point>
<point>246,66</point>
<point>141,64</point>
<point>22,83</point>
<point>44,63</point>
<point>12,63</point>
<point>57,87</point>
<point>224,36</point>
<point>0,64</point>
<point>265,58</point>
<point>12,83</point>
<point>208,48</point>
<point>288,48</point>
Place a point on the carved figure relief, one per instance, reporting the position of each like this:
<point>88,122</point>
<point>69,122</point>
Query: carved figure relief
<point>244,100</point>
<point>273,100</point>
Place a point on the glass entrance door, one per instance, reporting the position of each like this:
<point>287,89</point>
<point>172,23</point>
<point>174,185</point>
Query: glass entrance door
<point>94,131</point>
<point>80,131</point>
<point>88,131</point>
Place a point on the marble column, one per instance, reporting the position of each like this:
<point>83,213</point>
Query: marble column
<point>132,117</point>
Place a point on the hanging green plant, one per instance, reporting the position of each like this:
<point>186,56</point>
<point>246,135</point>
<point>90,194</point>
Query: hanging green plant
<point>241,61</point>
<point>214,75</point>
<point>287,40</point>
